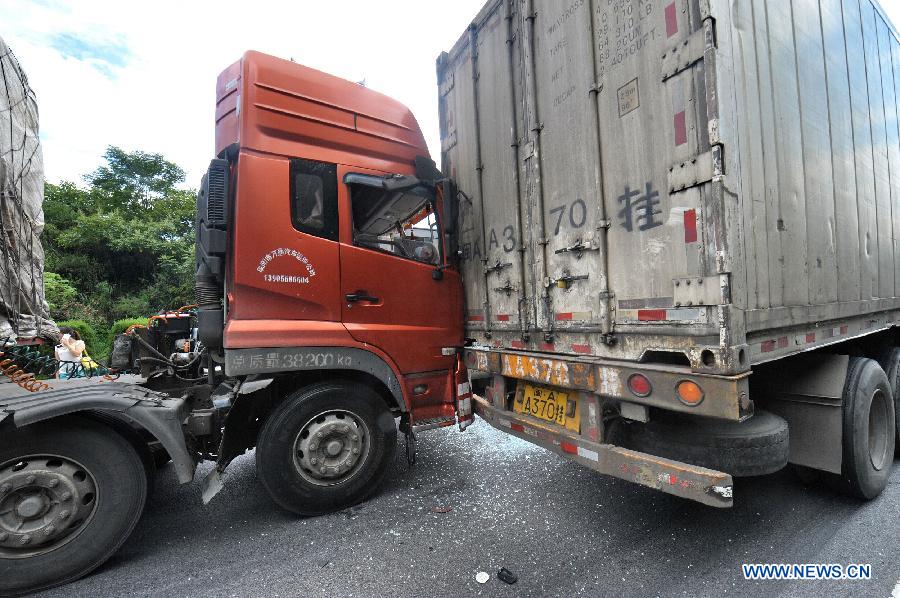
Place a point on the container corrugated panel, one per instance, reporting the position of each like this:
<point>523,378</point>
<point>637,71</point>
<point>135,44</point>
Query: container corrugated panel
<point>683,177</point>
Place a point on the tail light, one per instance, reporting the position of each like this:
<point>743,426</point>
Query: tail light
<point>639,385</point>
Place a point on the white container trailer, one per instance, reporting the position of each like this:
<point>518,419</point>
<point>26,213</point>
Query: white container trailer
<point>684,190</point>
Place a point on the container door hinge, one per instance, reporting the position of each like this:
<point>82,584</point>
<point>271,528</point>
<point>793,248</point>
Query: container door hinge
<point>693,291</point>
<point>447,84</point>
<point>696,171</point>
<point>684,55</point>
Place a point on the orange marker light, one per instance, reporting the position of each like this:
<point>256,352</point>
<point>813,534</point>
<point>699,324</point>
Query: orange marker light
<point>689,392</point>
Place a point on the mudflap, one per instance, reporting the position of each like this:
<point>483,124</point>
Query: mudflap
<point>465,415</point>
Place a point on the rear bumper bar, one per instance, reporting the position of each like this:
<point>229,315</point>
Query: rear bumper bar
<point>706,486</point>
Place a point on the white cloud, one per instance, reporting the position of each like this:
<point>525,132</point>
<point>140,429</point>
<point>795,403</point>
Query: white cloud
<point>159,95</point>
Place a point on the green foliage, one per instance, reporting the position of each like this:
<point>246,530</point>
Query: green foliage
<point>87,333</point>
<point>123,246</point>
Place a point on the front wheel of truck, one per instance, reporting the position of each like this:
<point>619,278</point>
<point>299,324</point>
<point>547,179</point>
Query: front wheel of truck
<point>71,492</point>
<point>326,447</point>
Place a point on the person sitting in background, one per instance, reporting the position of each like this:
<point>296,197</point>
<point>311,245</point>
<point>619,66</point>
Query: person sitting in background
<point>69,353</point>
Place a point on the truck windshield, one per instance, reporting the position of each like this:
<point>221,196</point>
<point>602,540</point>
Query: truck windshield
<point>402,223</point>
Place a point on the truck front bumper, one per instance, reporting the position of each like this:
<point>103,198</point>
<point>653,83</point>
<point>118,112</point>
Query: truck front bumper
<point>707,486</point>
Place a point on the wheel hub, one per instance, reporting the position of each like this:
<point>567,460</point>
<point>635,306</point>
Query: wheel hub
<point>44,502</point>
<point>879,423</point>
<point>330,447</point>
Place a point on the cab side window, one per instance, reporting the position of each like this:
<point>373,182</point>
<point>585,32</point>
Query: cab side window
<point>314,198</point>
<point>402,223</point>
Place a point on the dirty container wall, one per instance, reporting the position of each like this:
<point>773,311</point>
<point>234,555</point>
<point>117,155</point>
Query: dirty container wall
<point>612,152</point>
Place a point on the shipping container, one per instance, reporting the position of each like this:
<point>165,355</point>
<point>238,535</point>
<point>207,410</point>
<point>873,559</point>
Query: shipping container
<point>697,182</point>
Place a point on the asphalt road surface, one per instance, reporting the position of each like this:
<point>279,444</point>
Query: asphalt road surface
<point>480,500</point>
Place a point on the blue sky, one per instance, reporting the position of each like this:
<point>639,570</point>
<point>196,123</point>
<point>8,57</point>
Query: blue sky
<point>142,75</point>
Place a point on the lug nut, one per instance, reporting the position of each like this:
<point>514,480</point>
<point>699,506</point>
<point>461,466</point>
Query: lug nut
<point>323,470</point>
<point>5,488</point>
<point>49,530</point>
<point>314,461</point>
<point>30,479</point>
<point>53,483</point>
<point>64,514</point>
<point>25,539</point>
<point>313,446</point>
<point>354,438</point>
<point>66,496</point>
<point>3,536</point>
<point>355,451</point>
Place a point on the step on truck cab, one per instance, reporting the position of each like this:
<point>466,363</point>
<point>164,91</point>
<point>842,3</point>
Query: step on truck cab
<point>329,308</point>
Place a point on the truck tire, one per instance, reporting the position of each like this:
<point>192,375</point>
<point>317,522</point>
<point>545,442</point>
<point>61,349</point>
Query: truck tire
<point>868,429</point>
<point>757,446</point>
<point>325,448</point>
<point>71,492</point>
<point>890,363</point>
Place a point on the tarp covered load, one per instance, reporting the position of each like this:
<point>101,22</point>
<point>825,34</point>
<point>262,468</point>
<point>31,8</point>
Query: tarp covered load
<point>23,309</point>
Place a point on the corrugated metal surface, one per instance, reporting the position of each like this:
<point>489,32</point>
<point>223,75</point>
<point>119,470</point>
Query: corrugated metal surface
<point>673,175</point>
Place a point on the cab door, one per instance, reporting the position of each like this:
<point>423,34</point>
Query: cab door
<point>396,294</point>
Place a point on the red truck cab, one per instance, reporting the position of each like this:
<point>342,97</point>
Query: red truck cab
<point>323,255</point>
<point>326,265</point>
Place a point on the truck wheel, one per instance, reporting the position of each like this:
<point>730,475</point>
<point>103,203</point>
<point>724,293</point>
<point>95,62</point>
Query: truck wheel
<point>868,429</point>
<point>757,446</point>
<point>326,447</point>
<point>890,363</point>
<point>71,492</point>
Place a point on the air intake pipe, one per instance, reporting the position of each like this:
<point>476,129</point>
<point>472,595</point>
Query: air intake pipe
<point>211,248</point>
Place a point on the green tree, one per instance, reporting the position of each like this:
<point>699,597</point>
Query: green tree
<point>123,245</point>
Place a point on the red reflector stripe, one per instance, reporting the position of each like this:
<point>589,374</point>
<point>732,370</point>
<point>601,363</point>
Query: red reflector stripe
<point>564,316</point>
<point>517,427</point>
<point>649,315</point>
<point>518,345</point>
<point>581,348</point>
<point>782,342</point>
<point>680,128</point>
<point>476,318</point>
<point>811,337</point>
<point>843,329</point>
<point>690,226</point>
<point>568,447</point>
<point>767,346</point>
<point>503,317</point>
<point>548,347</point>
<point>671,20</point>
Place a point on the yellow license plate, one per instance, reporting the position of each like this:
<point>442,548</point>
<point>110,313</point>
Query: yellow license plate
<point>550,405</point>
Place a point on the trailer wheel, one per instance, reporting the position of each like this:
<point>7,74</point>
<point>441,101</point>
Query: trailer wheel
<point>754,447</point>
<point>868,429</point>
<point>890,363</point>
<point>326,447</point>
<point>71,492</point>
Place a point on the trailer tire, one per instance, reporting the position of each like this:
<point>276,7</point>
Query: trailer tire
<point>326,447</point>
<point>890,363</point>
<point>758,446</point>
<point>73,470</point>
<point>868,429</point>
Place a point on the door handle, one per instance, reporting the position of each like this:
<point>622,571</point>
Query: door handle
<point>361,296</point>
